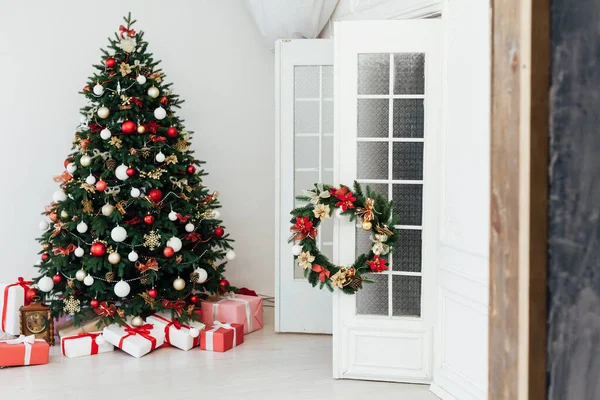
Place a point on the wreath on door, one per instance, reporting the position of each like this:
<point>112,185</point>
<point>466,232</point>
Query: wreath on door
<point>375,215</point>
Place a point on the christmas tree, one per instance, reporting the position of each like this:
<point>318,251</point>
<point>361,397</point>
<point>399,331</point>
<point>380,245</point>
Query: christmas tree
<point>132,229</point>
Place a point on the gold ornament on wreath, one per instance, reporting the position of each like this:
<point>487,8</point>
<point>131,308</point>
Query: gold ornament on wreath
<point>374,213</point>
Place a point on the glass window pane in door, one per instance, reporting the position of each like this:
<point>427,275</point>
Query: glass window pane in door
<point>408,203</point>
<point>373,74</point>
<point>406,296</point>
<point>379,188</point>
<point>327,81</point>
<point>408,161</point>
<point>306,81</point>
<point>306,152</point>
<point>304,180</point>
<point>327,153</point>
<point>407,254</point>
<point>372,299</point>
<point>409,73</point>
<point>327,117</point>
<point>373,118</point>
<point>306,117</point>
<point>409,118</point>
<point>372,160</point>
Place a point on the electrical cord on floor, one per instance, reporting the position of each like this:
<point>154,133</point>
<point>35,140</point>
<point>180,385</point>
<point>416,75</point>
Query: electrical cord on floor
<point>268,301</point>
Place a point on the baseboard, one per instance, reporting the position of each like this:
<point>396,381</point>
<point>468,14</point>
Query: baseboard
<point>441,393</point>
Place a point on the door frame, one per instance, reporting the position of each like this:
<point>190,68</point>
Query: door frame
<point>519,195</point>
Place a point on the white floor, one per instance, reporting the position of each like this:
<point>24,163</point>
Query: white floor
<point>266,366</point>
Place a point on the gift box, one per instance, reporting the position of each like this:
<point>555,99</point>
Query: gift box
<point>84,344</point>
<point>24,350</point>
<point>136,341</point>
<point>221,337</point>
<point>68,328</point>
<point>236,308</point>
<point>182,336</point>
<point>12,297</point>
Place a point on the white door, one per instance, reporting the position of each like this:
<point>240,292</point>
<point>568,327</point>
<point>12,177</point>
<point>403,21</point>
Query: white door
<point>388,108</point>
<point>304,135</point>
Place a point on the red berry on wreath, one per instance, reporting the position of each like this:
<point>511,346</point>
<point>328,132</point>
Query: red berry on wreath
<point>168,252</point>
<point>101,185</point>
<point>45,257</point>
<point>30,294</point>
<point>194,299</point>
<point>155,195</point>
<point>149,219</point>
<point>152,293</point>
<point>219,232</point>
<point>172,131</point>
<point>191,169</point>
<point>98,249</point>
<point>57,278</point>
<point>94,303</point>
<point>130,171</point>
<point>110,62</point>
<point>128,127</point>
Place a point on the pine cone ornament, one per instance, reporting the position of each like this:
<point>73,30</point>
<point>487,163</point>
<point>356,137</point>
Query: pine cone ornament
<point>110,276</point>
<point>145,279</point>
<point>111,164</point>
<point>71,284</point>
<point>356,283</point>
<point>194,277</point>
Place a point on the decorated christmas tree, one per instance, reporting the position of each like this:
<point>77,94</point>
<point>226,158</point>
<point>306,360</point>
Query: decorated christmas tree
<point>132,229</point>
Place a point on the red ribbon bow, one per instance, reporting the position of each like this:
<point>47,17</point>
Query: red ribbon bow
<point>20,282</point>
<point>323,273</point>
<point>137,102</point>
<point>182,218</point>
<point>177,325</point>
<point>194,237</point>
<point>93,350</point>
<point>151,126</point>
<point>49,209</point>
<point>129,32</point>
<point>63,178</point>
<point>58,226</point>
<point>143,331</point>
<point>105,310</point>
<point>150,264</point>
<point>64,251</point>
<point>156,138</point>
<point>174,305</point>
<point>133,221</point>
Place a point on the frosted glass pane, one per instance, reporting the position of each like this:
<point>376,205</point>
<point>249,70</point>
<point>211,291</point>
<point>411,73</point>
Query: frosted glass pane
<point>327,177</point>
<point>327,81</point>
<point>306,81</point>
<point>409,118</point>
<point>409,71</point>
<point>306,117</point>
<point>408,161</point>
<point>304,181</point>
<point>363,241</point>
<point>406,296</point>
<point>372,299</point>
<point>327,151</point>
<point>373,74</point>
<point>408,203</point>
<point>407,254</point>
<point>327,116</point>
<point>379,188</point>
<point>373,117</point>
<point>372,160</point>
<point>306,152</point>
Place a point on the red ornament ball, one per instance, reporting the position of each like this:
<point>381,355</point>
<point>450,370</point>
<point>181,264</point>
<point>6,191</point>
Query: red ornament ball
<point>67,162</point>
<point>155,195</point>
<point>191,169</point>
<point>219,232</point>
<point>152,293</point>
<point>164,100</point>
<point>30,294</point>
<point>98,249</point>
<point>194,299</point>
<point>94,303</point>
<point>149,219</point>
<point>130,171</point>
<point>101,185</point>
<point>128,127</point>
<point>172,131</point>
<point>85,143</point>
<point>224,283</point>
<point>110,62</point>
<point>45,257</point>
<point>57,278</point>
<point>168,252</point>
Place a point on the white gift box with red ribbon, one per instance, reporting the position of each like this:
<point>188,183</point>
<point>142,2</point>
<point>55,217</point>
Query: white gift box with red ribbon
<point>183,336</point>
<point>84,344</point>
<point>137,341</point>
<point>12,298</point>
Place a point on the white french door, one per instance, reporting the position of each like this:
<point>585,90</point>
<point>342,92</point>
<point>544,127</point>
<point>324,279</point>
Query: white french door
<point>388,80</point>
<point>304,136</point>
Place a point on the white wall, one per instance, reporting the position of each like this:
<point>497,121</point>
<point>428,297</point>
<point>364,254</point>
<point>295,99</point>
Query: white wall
<point>210,50</point>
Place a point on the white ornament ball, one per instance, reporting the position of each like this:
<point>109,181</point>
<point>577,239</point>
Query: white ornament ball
<point>100,340</point>
<point>175,243</point>
<point>189,227</point>
<point>121,172</point>
<point>114,258</point>
<point>133,256</point>
<point>135,192</point>
<point>71,167</point>
<point>88,280</point>
<point>173,216</point>
<point>230,255</point>
<point>79,252</point>
<point>137,321</point>
<point>216,214</point>
<point>44,225</point>
<point>98,89</point>
<point>46,284</point>
<point>141,79</point>
<point>107,209</point>
<point>105,134</point>
<point>103,112</point>
<point>85,160</point>
<point>194,332</point>
<point>122,288</point>
<point>202,275</point>
<point>90,180</point>
<point>82,227</point>
<point>160,113</point>
<point>179,284</point>
<point>153,92</point>
<point>59,196</point>
<point>160,157</point>
<point>64,214</point>
<point>118,234</point>
<point>296,249</point>
<point>80,275</point>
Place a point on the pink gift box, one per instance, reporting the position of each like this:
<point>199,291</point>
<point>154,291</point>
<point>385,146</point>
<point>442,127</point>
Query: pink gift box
<point>235,308</point>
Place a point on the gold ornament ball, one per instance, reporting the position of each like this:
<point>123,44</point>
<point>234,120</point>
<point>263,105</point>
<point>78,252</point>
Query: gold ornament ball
<point>114,258</point>
<point>137,321</point>
<point>179,284</point>
<point>141,129</point>
<point>103,112</point>
<point>366,225</point>
<point>153,92</point>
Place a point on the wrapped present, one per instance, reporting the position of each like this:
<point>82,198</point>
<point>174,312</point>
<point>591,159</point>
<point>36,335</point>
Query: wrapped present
<point>221,337</point>
<point>182,336</point>
<point>68,327</point>
<point>137,341</point>
<point>12,297</point>
<point>24,350</point>
<point>84,344</point>
<point>237,308</point>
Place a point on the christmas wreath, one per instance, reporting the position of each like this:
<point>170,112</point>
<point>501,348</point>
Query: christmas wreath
<point>372,210</point>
